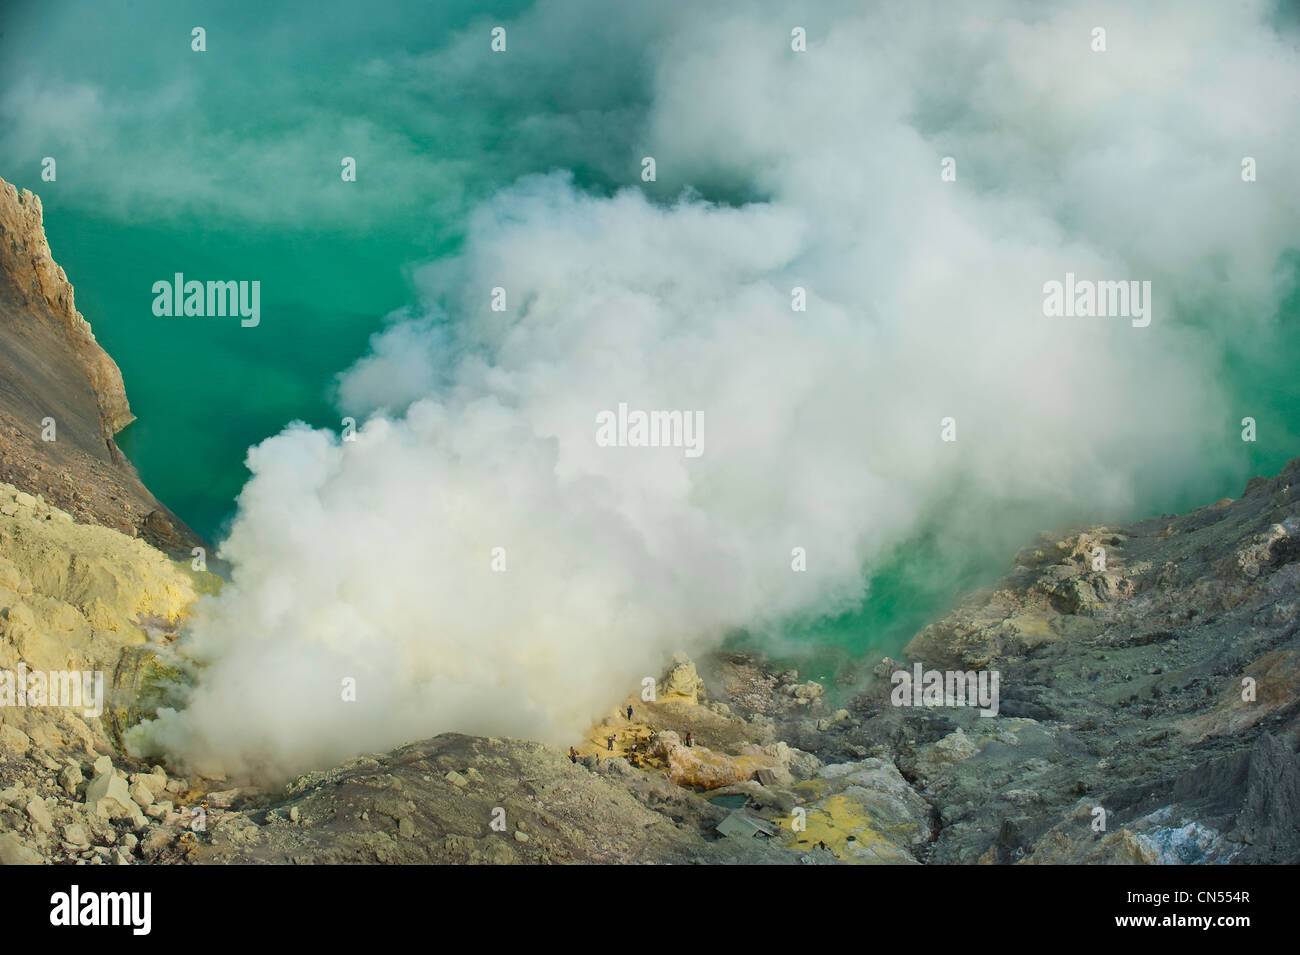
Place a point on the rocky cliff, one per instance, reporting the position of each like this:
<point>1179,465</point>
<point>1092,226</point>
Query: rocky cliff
<point>51,367</point>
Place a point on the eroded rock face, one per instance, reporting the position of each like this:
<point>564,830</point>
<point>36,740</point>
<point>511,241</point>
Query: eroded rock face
<point>53,368</point>
<point>1141,697</point>
<point>26,262</point>
<point>683,681</point>
<point>78,598</point>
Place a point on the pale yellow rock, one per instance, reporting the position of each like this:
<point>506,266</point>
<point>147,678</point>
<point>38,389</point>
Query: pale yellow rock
<point>77,598</point>
<point>40,815</point>
<point>14,852</point>
<point>141,794</point>
<point>699,767</point>
<point>13,740</point>
<point>682,680</point>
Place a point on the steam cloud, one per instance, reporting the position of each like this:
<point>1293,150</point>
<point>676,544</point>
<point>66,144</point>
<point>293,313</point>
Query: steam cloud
<point>371,559</point>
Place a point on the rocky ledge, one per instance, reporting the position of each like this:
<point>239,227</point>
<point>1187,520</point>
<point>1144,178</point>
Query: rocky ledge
<point>51,367</point>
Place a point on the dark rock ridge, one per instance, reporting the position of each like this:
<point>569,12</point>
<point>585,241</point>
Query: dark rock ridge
<point>52,367</point>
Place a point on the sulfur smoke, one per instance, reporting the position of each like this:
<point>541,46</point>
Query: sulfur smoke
<point>371,560</point>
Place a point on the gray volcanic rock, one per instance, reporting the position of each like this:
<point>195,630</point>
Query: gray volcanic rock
<point>437,801</point>
<point>1148,713</point>
<point>1159,693</point>
<point>52,367</point>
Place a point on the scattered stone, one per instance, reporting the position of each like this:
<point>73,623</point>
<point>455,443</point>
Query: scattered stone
<point>141,794</point>
<point>13,740</point>
<point>223,799</point>
<point>155,842</point>
<point>108,797</point>
<point>155,782</point>
<point>76,835</point>
<point>838,716</point>
<point>70,778</point>
<point>40,816</point>
<point>46,760</point>
<point>14,852</point>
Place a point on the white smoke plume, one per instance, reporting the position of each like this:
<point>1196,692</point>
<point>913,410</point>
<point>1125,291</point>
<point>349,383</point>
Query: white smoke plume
<point>371,559</point>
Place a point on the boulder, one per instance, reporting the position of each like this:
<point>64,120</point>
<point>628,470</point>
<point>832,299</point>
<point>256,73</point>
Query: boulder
<point>806,691</point>
<point>39,815</point>
<point>699,767</point>
<point>141,795</point>
<point>937,758</point>
<point>155,781</point>
<point>838,716</point>
<point>70,778</point>
<point>108,797</point>
<point>13,740</point>
<point>682,680</point>
<point>13,851</point>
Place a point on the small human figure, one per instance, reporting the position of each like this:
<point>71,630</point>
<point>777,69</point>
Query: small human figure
<point>629,711</point>
<point>609,742</point>
<point>573,755</point>
<point>688,740</point>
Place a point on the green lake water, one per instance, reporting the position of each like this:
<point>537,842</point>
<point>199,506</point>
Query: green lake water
<point>174,162</point>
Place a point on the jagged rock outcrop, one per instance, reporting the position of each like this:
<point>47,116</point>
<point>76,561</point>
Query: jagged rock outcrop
<point>1149,685</point>
<point>84,613</point>
<point>51,367</point>
<point>80,598</point>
